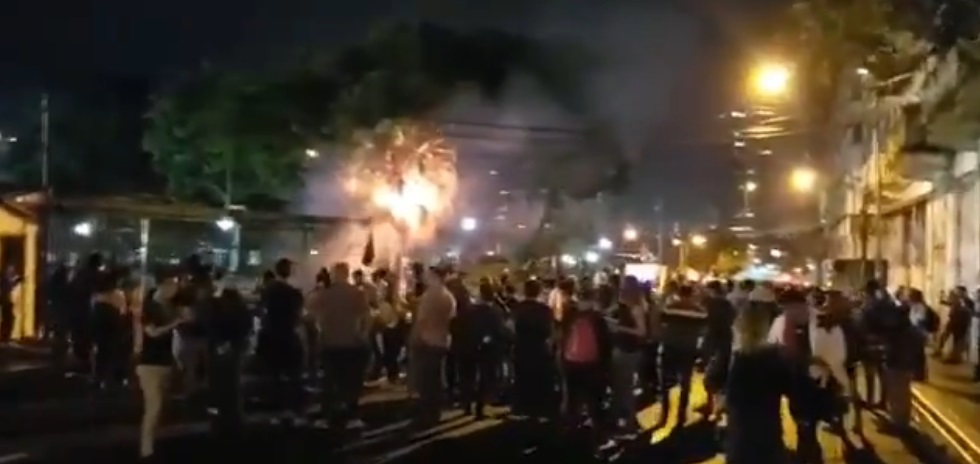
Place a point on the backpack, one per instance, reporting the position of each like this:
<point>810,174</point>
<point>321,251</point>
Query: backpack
<point>582,344</point>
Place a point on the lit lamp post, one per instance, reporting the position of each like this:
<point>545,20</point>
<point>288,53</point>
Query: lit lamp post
<point>747,188</point>
<point>683,247</point>
<point>630,234</point>
<point>806,180</point>
<point>604,244</point>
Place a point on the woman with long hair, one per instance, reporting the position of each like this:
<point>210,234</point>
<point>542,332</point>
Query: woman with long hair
<point>754,382</point>
<point>159,318</point>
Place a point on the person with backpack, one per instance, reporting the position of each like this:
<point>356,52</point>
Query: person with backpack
<point>585,352</point>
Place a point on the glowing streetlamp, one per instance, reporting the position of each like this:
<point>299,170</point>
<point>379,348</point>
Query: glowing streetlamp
<point>630,234</point>
<point>591,257</point>
<point>699,240</point>
<point>605,244</point>
<point>803,179</point>
<point>468,224</point>
<point>750,186</point>
<point>225,224</point>
<point>83,229</point>
<point>771,80</point>
<point>311,153</point>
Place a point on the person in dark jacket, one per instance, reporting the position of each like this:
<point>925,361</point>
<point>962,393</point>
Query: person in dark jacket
<point>684,323</point>
<point>753,383</point>
<point>463,299</point>
<point>534,370</point>
<point>478,343</point>
<point>718,334</point>
<point>228,327</point>
<point>877,310</point>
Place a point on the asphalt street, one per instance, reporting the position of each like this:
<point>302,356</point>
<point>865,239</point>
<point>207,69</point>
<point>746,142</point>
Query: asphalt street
<point>386,439</point>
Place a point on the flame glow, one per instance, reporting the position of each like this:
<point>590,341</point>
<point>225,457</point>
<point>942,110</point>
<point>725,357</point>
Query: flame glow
<point>417,199</point>
<point>406,172</point>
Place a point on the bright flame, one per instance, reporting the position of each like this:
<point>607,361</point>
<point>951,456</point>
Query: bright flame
<point>407,172</point>
<point>803,179</point>
<point>772,79</point>
<point>410,205</point>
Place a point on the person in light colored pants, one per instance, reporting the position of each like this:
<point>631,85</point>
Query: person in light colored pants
<point>154,382</point>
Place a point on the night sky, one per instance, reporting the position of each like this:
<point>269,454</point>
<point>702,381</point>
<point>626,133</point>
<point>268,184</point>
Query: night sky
<point>662,82</point>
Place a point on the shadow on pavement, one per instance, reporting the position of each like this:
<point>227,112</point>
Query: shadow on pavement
<point>194,443</point>
<point>694,443</point>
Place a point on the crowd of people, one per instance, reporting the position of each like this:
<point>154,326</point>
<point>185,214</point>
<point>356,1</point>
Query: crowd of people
<point>569,351</point>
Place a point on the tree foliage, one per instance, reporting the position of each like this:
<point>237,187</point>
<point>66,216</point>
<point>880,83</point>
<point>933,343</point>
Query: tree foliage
<point>256,127</point>
<point>226,137</point>
<point>831,39</point>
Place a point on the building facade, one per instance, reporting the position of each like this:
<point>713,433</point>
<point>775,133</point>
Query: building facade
<point>908,193</point>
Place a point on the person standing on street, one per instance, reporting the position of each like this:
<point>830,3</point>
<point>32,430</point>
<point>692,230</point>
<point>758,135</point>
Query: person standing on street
<point>684,323</point>
<point>428,344</point>
<point>153,346</point>
<point>534,362</point>
<point>343,315</point>
<point>229,327</point>
<point>280,342</point>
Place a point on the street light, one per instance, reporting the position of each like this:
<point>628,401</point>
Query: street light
<point>225,224</point>
<point>83,229</point>
<point>803,179</point>
<point>311,153</point>
<point>591,257</point>
<point>468,224</point>
<point>605,244</point>
<point>750,186</point>
<point>699,240</point>
<point>771,80</point>
<point>630,234</point>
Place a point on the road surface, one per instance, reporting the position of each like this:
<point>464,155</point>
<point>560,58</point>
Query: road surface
<point>385,439</point>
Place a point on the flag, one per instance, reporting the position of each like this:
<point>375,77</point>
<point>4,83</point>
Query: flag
<point>368,257</point>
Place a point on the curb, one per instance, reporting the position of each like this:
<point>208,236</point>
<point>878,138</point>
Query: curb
<point>960,446</point>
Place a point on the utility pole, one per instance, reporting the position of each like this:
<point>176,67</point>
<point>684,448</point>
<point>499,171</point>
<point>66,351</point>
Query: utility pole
<point>658,209</point>
<point>45,142</point>
<point>879,234</point>
<point>41,268</point>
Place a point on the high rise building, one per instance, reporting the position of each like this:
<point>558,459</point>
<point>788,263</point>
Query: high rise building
<point>766,147</point>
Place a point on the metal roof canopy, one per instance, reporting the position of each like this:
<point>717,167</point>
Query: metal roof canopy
<point>161,207</point>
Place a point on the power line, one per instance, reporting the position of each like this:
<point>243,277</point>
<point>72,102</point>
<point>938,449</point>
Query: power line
<point>554,130</point>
